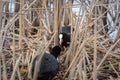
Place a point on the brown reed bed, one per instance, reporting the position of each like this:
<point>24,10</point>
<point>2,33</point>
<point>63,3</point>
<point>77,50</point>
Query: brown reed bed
<point>33,28</point>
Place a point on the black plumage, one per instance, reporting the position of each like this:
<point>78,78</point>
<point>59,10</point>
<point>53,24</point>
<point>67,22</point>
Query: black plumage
<point>66,29</point>
<point>64,36</point>
<point>49,64</point>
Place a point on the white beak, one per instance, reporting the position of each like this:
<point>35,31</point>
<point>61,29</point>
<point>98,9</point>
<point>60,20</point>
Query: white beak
<point>60,38</point>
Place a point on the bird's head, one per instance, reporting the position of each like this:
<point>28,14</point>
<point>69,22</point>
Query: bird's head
<point>56,51</point>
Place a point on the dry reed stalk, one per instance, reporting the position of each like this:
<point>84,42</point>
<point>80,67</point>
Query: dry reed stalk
<point>111,78</point>
<point>88,60</point>
<point>60,17</point>
<point>0,70</point>
<point>72,74</point>
<point>30,64</point>
<point>84,75</point>
<point>34,9</point>
<point>63,15</point>
<point>56,21</point>
<point>15,68</point>
<point>27,58</point>
<point>2,57</point>
<point>1,7</point>
<point>18,73</point>
<point>46,27</point>
<point>6,10</point>
<point>114,69</point>
<point>79,69</point>
<point>4,0</point>
<point>29,23</point>
<point>71,18</point>
<point>13,49</point>
<point>79,66</point>
<point>4,68</point>
<point>47,17</point>
<point>84,60</point>
<point>21,27</point>
<point>95,54</point>
<point>118,34</point>
<point>21,23</point>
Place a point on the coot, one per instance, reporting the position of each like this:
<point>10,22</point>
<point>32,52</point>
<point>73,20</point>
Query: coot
<point>64,36</point>
<point>49,64</point>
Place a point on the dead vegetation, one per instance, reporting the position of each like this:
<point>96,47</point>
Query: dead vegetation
<point>31,27</point>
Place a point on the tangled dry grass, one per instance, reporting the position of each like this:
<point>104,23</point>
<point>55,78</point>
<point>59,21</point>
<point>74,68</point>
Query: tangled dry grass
<point>32,30</point>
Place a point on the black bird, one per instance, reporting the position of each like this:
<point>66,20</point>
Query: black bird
<point>64,40</point>
<point>49,64</point>
<point>64,36</point>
